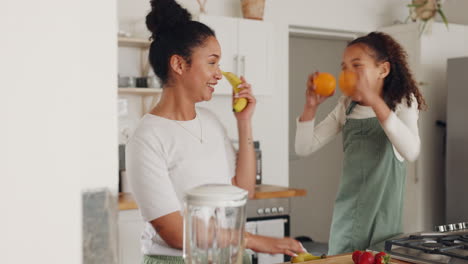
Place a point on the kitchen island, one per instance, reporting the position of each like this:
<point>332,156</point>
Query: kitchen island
<point>342,259</point>
<point>262,191</point>
<point>269,202</point>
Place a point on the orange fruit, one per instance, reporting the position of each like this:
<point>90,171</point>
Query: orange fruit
<point>347,82</point>
<point>325,84</point>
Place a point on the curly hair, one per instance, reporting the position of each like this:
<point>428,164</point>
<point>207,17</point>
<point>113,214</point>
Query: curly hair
<point>173,33</point>
<point>400,82</point>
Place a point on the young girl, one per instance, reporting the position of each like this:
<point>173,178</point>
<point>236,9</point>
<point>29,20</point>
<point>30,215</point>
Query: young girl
<point>178,146</point>
<point>380,131</point>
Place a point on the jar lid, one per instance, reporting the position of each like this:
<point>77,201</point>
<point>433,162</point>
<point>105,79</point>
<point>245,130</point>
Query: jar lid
<point>224,195</point>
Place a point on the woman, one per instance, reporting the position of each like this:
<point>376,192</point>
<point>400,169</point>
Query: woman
<point>380,132</point>
<point>178,146</point>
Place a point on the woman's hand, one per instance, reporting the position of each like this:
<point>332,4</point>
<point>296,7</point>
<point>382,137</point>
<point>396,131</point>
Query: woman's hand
<point>313,99</point>
<point>271,245</point>
<point>246,93</point>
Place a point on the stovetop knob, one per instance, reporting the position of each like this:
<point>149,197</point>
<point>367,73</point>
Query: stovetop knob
<point>451,227</point>
<point>459,226</point>
<point>465,225</point>
<point>441,228</point>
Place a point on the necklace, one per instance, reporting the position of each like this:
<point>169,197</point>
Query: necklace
<point>188,131</point>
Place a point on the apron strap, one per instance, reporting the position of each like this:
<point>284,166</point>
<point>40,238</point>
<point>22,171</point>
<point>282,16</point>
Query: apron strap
<point>351,107</point>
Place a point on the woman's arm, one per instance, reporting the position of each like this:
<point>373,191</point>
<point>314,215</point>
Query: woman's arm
<point>272,245</point>
<point>246,163</point>
<point>170,228</point>
<point>150,184</point>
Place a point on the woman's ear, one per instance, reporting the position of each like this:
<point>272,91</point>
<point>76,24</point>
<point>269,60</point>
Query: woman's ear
<point>177,64</point>
<point>384,69</point>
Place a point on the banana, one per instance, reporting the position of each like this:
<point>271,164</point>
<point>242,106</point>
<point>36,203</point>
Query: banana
<point>304,256</point>
<point>239,103</point>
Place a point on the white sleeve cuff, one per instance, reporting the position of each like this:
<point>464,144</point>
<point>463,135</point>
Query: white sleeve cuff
<point>305,124</point>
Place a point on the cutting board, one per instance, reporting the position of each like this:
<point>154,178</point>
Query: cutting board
<point>342,259</point>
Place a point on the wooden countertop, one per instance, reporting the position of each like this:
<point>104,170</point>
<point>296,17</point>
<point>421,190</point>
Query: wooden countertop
<point>342,259</point>
<point>263,191</point>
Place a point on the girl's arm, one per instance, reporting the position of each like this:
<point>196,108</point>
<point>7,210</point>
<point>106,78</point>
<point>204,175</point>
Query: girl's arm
<point>402,128</point>
<point>310,138</point>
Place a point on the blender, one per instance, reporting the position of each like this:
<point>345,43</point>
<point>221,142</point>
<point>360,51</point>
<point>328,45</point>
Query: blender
<point>214,224</point>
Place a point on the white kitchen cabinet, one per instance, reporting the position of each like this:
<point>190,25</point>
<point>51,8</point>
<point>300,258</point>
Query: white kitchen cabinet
<point>246,49</point>
<point>427,55</point>
<point>130,228</point>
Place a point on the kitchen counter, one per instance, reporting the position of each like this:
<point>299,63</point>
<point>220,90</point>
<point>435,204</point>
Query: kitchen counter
<point>263,191</point>
<point>342,259</point>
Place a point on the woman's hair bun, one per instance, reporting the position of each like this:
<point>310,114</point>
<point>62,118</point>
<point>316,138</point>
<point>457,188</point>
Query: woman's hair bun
<point>166,15</point>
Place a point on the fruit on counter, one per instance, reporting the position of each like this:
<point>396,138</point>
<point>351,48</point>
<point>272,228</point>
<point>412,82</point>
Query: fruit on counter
<point>347,82</point>
<point>356,255</point>
<point>382,258</point>
<point>305,256</point>
<point>239,103</point>
<point>365,257</point>
<point>325,84</point>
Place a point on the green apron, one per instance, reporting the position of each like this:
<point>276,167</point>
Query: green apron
<point>178,260</point>
<point>368,207</point>
<point>162,260</point>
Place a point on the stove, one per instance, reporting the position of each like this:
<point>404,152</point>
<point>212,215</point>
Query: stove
<point>447,245</point>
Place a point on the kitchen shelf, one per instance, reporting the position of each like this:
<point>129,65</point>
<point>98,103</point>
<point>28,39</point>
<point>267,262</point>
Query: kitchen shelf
<point>134,42</point>
<point>141,91</point>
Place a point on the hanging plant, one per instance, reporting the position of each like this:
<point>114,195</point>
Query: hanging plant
<point>425,11</point>
<point>202,4</point>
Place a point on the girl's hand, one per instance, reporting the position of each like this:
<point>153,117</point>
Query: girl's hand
<point>364,93</point>
<point>271,245</point>
<point>313,99</point>
<point>246,93</point>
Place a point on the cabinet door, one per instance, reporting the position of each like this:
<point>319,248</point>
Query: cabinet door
<point>255,50</point>
<point>130,228</point>
<point>226,30</point>
<point>272,228</point>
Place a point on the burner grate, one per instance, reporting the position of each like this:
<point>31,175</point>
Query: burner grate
<point>454,246</point>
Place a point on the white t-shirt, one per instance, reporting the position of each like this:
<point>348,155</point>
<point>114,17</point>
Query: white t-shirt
<point>401,128</point>
<point>164,158</point>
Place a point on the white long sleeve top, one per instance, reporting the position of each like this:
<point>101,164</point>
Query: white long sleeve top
<point>401,128</point>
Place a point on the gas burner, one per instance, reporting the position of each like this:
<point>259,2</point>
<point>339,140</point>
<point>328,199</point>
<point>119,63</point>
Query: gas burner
<point>447,248</point>
<point>432,245</point>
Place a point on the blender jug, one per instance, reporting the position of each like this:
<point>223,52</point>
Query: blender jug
<point>214,223</point>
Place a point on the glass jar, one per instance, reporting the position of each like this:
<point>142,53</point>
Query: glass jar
<point>214,224</point>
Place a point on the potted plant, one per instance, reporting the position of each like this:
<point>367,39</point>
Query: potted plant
<point>425,12</point>
<point>253,9</point>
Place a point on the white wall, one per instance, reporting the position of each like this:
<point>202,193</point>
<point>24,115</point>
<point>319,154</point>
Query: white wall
<point>58,123</point>
<point>455,11</point>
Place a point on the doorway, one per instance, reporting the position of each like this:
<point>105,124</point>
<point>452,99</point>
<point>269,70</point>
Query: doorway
<point>318,173</point>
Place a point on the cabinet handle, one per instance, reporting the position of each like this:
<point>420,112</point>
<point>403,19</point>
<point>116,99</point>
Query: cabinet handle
<point>236,61</point>
<point>243,59</point>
